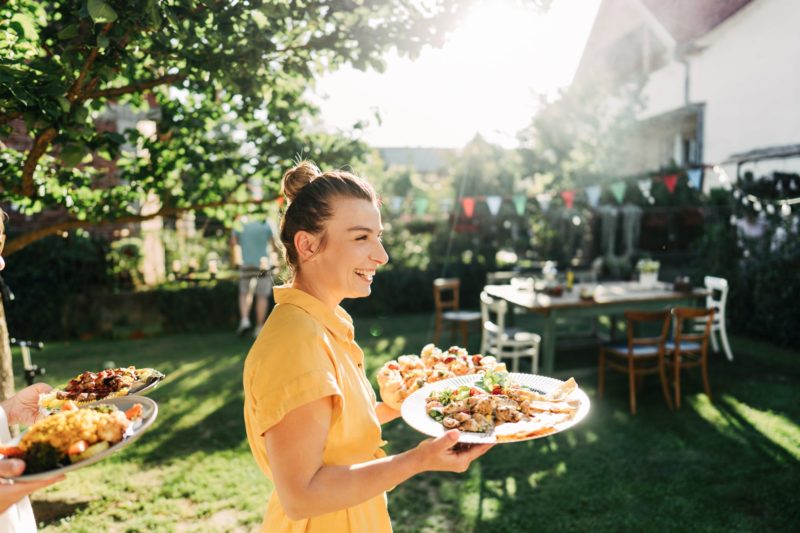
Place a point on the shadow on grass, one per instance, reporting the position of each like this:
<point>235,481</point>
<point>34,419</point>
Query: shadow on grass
<point>51,511</point>
<point>706,464</point>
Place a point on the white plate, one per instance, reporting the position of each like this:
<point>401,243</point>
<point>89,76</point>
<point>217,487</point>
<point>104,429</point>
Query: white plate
<point>413,408</point>
<point>123,403</point>
<point>141,388</point>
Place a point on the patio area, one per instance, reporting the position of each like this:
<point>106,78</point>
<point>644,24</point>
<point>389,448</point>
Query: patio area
<point>726,465</point>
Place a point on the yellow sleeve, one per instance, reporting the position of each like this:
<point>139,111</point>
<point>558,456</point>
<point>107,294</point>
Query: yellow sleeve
<point>289,366</point>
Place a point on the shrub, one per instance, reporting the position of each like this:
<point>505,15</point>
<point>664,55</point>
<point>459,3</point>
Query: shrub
<point>44,275</point>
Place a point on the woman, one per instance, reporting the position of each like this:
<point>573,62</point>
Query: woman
<point>311,416</point>
<point>16,514</point>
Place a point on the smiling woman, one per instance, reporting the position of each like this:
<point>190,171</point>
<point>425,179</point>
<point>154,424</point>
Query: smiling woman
<point>311,415</point>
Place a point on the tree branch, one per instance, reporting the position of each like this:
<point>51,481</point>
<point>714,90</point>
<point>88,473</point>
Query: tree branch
<point>136,87</point>
<point>74,92</point>
<point>40,145</point>
<point>11,116</point>
<point>65,225</point>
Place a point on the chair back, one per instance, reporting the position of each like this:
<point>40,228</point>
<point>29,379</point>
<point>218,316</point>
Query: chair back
<point>445,294</point>
<point>717,297</point>
<point>635,320</point>
<point>693,316</point>
<point>493,315</point>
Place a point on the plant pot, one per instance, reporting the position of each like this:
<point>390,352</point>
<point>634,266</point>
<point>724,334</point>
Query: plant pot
<point>648,279</point>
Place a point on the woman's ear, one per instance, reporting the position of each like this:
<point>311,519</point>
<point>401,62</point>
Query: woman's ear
<point>306,244</point>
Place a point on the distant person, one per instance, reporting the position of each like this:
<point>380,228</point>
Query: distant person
<point>255,240</point>
<point>312,419</point>
<point>16,514</point>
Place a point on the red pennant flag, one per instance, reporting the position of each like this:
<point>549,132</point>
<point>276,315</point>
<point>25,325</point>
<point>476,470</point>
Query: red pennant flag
<point>280,201</point>
<point>569,198</point>
<point>671,181</point>
<point>468,204</point>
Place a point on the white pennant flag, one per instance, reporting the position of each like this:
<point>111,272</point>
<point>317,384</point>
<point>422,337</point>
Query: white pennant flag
<point>544,201</point>
<point>395,202</point>
<point>645,186</point>
<point>494,202</point>
<point>593,195</point>
<point>446,205</point>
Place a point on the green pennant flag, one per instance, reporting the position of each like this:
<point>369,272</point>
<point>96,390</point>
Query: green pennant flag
<point>618,190</point>
<point>420,205</point>
<point>519,203</point>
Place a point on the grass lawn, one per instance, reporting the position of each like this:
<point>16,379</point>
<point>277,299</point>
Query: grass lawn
<point>728,465</point>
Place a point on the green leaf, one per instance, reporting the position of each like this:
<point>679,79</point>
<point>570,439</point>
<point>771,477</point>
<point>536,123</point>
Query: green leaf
<point>72,154</point>
<point>154,13</point>
<point>64,103</point>
<point>260,19</point>
<point>100,11</point>
<point>68,32</point>
<point>23,24</point>
<point>102,42</point>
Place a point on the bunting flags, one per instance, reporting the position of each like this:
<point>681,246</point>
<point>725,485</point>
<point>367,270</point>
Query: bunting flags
<point>468,206</point>
<point>695,175</point>
<point>420,205</point>
<point>670,182</point>
<point>446,205</point>
<point>519,203</point>
<point>645,186</point>
<point>544,201</point>
<point>593,195</point>
<point>618,190</point>
<point>569,198</point>
<point>395,203</point>
<point>493,203</point>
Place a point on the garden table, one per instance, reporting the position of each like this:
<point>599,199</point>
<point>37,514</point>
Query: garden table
<point>611,298</point>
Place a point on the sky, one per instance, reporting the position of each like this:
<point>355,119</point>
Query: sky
<point>486,79</point>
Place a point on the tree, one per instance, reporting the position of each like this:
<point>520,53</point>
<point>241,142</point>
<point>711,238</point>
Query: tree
<point>225,80</point>
<point>584,137</point>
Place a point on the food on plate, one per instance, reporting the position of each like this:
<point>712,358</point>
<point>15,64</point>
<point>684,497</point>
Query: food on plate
<point>399,378</point>
<point>93,386</point>
<point>72,435</point>
<point>495,403</point>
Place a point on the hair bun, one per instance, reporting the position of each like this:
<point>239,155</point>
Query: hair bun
<point>298,177</point>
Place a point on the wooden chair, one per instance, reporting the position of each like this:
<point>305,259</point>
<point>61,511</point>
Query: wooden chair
<point>639,356</point>
<point>717,299</point>
<point>688,350</point>
<point>502,341</point>
<point>446,302</point>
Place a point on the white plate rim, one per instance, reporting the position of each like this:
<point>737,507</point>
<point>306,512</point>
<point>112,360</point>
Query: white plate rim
<point>149,411</point>
<point>413,407</point>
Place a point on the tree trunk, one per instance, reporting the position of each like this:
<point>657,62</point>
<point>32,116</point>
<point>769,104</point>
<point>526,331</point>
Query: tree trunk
<point>6,370</point>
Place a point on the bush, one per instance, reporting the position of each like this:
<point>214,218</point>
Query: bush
<point>44,275</point>
<point>763,287</point>
<point>200,307</point>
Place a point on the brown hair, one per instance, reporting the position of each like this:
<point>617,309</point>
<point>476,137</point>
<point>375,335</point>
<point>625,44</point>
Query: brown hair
<point>309,194</point>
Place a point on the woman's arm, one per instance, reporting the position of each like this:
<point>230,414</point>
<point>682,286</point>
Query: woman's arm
<point>308,488</point>
<point>386,413</point>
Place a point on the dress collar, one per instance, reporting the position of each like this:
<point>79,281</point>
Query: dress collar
<point>337,322</point>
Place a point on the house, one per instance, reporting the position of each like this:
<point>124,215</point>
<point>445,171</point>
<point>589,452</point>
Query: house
<point>721,78</point>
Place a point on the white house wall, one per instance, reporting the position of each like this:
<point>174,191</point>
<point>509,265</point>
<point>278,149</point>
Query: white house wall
<point>749,77</point>
<point>665,90</point>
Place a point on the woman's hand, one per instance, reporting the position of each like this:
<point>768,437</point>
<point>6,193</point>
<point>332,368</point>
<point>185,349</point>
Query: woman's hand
<point>23,407</point>
<point>440,454</point>
<point>13,491</point>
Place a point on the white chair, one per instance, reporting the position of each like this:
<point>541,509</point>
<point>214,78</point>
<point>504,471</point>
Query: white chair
<point>717,299</point>
<point>506,342</point>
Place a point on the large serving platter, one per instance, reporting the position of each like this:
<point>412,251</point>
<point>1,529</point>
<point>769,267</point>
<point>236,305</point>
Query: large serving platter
<point>415,415</point>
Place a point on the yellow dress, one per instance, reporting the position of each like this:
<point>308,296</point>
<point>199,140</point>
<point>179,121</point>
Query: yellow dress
<point>307,352</point>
